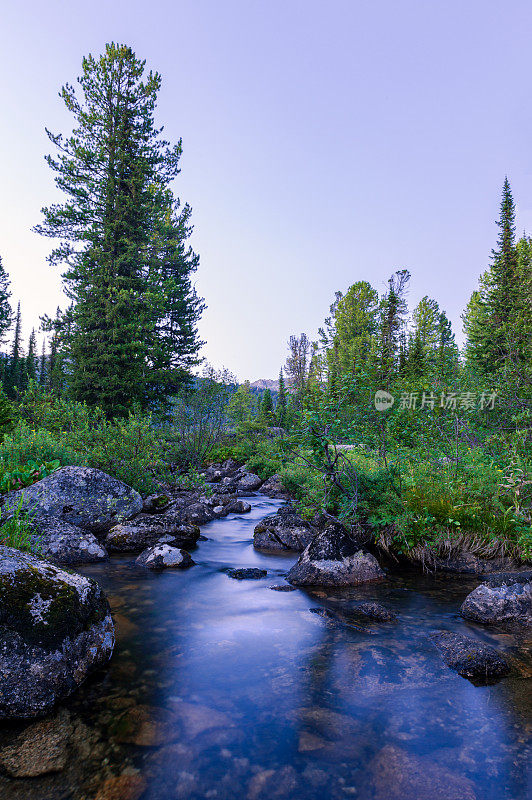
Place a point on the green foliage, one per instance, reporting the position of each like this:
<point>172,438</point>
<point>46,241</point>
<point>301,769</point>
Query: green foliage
<point>27,444</point>
<point>265,458</point>
<point>7,416</point>
<point>31,472</point>
<point>17,531</point>
<point>198,420</point>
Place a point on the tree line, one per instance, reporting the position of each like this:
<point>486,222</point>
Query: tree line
<point>375,341</point>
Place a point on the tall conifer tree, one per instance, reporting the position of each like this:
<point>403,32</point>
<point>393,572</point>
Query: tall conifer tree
<point>133,309</point>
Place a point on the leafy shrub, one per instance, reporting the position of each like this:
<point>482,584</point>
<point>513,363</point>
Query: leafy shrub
<point>130,449</point>
<point>30,473</point>
<point>266,458</point>
<point>27,445</point>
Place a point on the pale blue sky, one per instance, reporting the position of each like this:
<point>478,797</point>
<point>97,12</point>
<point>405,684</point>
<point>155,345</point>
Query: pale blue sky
<point>324,143</point>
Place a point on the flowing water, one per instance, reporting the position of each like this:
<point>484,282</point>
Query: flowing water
<point>226,689</point>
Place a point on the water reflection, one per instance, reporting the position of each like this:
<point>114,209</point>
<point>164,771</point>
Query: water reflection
<point>225,689</point>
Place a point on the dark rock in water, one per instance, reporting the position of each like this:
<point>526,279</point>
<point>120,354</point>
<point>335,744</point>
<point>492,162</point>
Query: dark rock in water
<point>284,531</point>
<point>374,611</point>
<point>81,496</point>
<point>395,774</point>
<point>501,600</point>
<point>197,514</point>
<point>274,488</point>
<point>508,578</point>
<point>284,587</point>
<point>55,628</point>
<point>335,616</point>
<point>39,749</point>
<point>242,574</point>
<point>147,530</point>
<point>334,559</point>
<point>470,564</point>
<point>162,556</point>
<point>249,482</point>
<point>275,784</point>
<point>127,786</point>
<point>238,507</point>
<point>470,658</point>
<point>156,503</point>
<point>63,543</point>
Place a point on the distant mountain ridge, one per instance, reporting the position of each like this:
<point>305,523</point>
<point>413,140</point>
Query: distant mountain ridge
<point>265,383</point>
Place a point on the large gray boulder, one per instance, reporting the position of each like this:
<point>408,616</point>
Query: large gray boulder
<point>55,628</point>
<point>81,496</point>
<point>62,543</point>
<point>273,487</point>
<point>162,556</point>
<point>282,532</point>
<point>472,659</point>
<point>249,482</point>
<point>504,599</point>
<point>333,558</point>
<point>146,530</point>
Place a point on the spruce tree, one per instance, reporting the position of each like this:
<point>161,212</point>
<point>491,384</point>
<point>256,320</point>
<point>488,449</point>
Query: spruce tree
<point>490,320</point>
<point>31,358</point>
<point>42,367</point>
<point>16,371</point>
<point>281,402</point>
<point>6,313</point>
<point>392,320</point>
<point>266,407</point>
<point>122,238</point>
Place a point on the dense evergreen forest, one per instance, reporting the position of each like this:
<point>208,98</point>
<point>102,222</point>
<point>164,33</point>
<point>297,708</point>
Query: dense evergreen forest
<point>382,420</point>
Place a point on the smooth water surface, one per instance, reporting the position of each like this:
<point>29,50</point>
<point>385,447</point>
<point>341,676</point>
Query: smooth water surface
<point>226,689</point>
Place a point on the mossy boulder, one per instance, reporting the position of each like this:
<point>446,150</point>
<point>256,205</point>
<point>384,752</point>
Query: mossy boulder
<point>334,558</point>
<point>55,628</point>
<point>85,497</point>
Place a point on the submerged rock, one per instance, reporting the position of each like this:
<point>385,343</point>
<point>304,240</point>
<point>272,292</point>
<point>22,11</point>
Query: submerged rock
<point>81,496</point>
<point>395,774</point>
<point>502,599</point>
<point>372,610</point>
<point>145,726</point>
<point>63,543</point>
<point>470,658</point>
<point>334,559</point>
<point>147,530</point>
<point>55,628</point>
<point>283,587</point>
<point>162,556</point>
<point>242,574</point>
<point>284,531</point>
<point>39,749</point>
<point>129,785</point>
